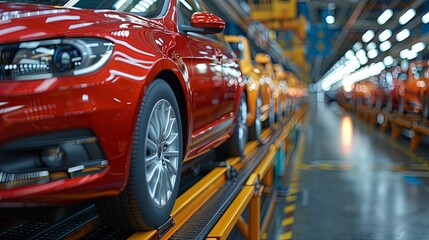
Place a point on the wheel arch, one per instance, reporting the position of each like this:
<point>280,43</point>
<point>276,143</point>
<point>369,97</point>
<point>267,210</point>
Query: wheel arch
<point>174,82</point>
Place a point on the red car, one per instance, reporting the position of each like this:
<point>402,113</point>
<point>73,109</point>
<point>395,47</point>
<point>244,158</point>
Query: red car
<point>109,98</point>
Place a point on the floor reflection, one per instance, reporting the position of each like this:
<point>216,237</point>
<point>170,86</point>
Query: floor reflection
<point>346,134</point>
<point>368,200</point>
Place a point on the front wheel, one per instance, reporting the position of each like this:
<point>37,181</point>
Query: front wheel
<point>155,164</point>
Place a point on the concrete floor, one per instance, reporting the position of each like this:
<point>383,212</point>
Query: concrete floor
<point>354,182</point>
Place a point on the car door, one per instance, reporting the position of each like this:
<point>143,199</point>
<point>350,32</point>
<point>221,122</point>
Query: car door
<point>206,80</point>
<point>230,69</point>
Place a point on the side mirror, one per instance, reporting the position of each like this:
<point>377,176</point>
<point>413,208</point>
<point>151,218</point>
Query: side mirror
<point>262,58</point>
<point>204,22</point>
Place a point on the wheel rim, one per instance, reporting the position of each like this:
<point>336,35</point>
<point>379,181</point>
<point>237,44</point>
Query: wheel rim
<point>242,123</point>
<point>162,152</point>
<point>258,123</point>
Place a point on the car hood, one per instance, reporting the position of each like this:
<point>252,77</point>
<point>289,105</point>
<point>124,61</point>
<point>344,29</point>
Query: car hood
<point>26,22</point>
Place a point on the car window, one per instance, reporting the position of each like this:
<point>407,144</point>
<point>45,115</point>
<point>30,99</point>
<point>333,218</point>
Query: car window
<point>187,8</point>
<point>145,8</point>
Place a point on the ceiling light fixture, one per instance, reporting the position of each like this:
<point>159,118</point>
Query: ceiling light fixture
<point>388,61</point>
<point>368,36</point>
<point>411,55</point>
<point>330,19</point>
<point>357,46</point>
<point>418,47</point>
<point>361,55</point>
<point>404,53</point>
<point>349,54</point>
<point>425,18</point>
<point>386,34</point>
<point>372,53</point>
<point>385,16</point>
<point>402,35</point>
<point>370,46</point>
<point>407,16</point>
<point>384,46</point>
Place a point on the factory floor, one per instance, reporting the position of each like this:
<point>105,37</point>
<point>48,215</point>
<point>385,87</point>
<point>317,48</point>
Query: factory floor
<point>348,180</point>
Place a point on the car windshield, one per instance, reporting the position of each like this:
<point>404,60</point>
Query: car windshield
<point>146,8</point>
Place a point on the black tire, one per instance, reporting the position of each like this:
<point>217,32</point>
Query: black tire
<point>256,128</point>
<point>425,111</point>
<point>146,202</point>
<point>234,147</point>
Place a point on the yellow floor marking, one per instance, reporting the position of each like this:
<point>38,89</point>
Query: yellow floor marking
<point>305,166</point>
<point>326,166</point>
<point>291,198</point>
<point>293,187</point>
<point>290,208</point>
<point>286,236</point>
<point>288,221</point>
<point>293,191</point>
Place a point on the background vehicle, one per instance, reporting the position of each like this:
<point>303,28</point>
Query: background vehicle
<point>277,88</point>
<point>109,104</point>
<point>365,92</point>
<point>258,89</point>
<point>414,88</point>
<point>291,89</point>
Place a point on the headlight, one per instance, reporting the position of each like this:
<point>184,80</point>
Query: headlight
<point>55,57</point>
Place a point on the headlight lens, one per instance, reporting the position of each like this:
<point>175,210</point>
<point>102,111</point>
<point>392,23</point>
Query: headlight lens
<point>55,57</point>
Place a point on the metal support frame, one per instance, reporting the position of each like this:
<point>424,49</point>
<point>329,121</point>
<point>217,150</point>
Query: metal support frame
<point>250,195</point>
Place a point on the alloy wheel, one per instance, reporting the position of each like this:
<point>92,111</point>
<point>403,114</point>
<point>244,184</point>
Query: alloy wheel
<point>162,152</point>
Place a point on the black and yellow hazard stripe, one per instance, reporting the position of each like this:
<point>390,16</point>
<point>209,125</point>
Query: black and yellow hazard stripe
<point>326,166</point>
<point>291,196</point>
